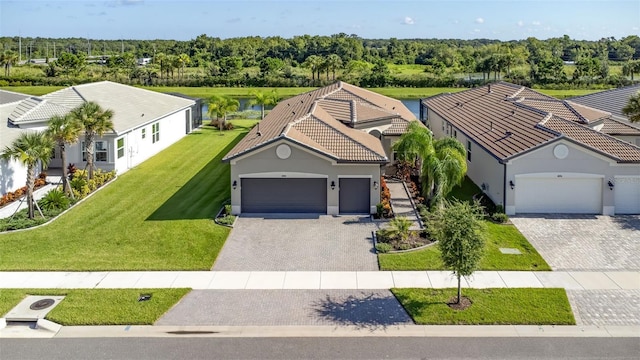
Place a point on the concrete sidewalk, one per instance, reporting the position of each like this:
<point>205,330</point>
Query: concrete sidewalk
<point>570,280</point>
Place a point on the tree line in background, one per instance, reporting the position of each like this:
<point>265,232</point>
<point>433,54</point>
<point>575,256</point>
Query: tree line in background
<point>317,60</point>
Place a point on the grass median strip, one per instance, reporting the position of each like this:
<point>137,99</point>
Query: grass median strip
<point>518,306</point>
<point>100,306</point>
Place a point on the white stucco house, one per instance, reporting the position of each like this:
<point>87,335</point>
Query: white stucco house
<point>533,153</point>
<point>318,152</point>
<point>145,122</point>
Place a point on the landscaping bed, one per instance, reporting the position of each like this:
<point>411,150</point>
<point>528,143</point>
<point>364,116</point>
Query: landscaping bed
<point>100,306</point>
<point>488,306</point>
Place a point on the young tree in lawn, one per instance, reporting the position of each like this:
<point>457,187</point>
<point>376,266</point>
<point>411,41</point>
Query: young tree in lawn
<point>30,148</point>
<point>64,130</point>
<point>632,109</point>
<point>264,99</point>
<point>219,106</point>
<point>95,121</point>
<point>458,228</point>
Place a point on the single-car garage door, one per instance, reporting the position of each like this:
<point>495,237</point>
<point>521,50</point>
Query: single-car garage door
<point>354,195</point>
<point>564,195</point>
<point>284,195</point>
<point>627,194</point>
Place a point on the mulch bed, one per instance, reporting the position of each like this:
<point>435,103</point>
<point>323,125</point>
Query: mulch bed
<point>464,303</point>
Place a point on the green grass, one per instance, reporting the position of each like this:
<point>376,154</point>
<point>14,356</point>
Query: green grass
<point>157,216</point>
<point>489,306</point>
<point>100,306</point>
<point>32,90</point>
<point>496,236</point>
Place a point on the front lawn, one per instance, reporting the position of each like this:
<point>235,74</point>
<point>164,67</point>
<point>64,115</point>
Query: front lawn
<point>100,306</point>
<point>496,236</point>
<point>489,306</point>
<point>157,216</point>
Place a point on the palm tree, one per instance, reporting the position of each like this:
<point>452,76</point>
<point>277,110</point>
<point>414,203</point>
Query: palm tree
<point>313,62</point>
<point>264,99</point>
<point>443,162</point>
<point>632,109</point>
<point>64,130</point>
<point>95,122</point>
<point>333,62</point>
<point>8,59</point>
<point>220,106</point>
<point>30,148</point>
<point>183,61</point>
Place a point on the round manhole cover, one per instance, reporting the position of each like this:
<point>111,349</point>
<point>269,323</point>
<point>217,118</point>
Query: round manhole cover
<point>42,304</point>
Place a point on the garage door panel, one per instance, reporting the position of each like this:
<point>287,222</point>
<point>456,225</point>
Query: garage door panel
<point>284,195</point>
<point>627,195</point>
<point>559,195</point>
<point>355,196</point>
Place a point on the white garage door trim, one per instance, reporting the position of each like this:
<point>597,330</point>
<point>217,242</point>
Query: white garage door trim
<point>564,193</point>
<point>627,194</point>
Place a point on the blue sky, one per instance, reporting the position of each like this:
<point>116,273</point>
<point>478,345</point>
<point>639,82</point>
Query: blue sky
<point>183,20</point>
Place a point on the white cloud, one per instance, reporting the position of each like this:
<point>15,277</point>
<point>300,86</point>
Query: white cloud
<point>480,20</point>
<point>408,21</point>
<point>536,23</point>
<point>635,28</point>
<point>520,23</point>
<point>476,30</point>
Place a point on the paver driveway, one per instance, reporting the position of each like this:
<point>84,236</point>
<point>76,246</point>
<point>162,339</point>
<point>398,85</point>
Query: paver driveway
<point>298,243</point>
<point>584,242</point>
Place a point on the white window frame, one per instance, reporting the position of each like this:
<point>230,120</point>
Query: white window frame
<point>120,148</point>
<point>144,133</point>
<point>99,146</point>
<point>155,132</point>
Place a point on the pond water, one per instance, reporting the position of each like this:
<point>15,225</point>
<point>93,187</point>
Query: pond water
<point>411,104</point>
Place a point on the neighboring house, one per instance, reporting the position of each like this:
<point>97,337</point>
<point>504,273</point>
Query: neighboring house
<point>613,101</point>
<point>533,153</point>
<point>145,122</point>
<point>12,174</point>
<point>318,152</point>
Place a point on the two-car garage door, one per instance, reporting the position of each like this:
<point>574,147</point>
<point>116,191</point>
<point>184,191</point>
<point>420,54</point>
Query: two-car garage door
<point>553,194</point>
<point>278,195</point>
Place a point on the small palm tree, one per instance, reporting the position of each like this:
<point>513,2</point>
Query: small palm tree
<point>30,148</point>
<point>399,228</point>
<point>264,99</point>
<point>8,59</point>
<point>632,109</point>
<point>64,130</point>
<point>220,106</point>
<point>95,122</point>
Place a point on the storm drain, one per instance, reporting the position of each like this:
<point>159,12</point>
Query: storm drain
<point>33,308</point>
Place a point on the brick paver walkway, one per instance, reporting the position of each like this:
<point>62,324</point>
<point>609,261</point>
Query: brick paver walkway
<point>605,307</point>
<point>401,204</point>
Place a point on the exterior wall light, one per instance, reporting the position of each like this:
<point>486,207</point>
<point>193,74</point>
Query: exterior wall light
<point>375,185</point>
<point>611,185</point>
<point>511,184</point>
<point>235,184</point>
<point>483,186</point>
<point>333,185</point>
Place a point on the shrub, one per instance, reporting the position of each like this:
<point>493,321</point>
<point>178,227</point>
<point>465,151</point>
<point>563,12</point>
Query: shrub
<point>226,220</point>
<point>71,170</point>
<point>379,210</point>
<point>399,228</point>
<point>500,217</point>
<point>383,248</point>
<point>228,126</point>
<point>54,199</point>
<point>79,186</point>
<point>499,209</point>
<point>227,209</point>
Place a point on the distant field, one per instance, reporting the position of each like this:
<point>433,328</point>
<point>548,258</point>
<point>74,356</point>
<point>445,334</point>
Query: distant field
<point>207,92</point>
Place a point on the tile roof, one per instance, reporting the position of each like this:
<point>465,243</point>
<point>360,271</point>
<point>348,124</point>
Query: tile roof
<point>34,109</point>
<point>504,121</point>
<point>610,100</point>
<point>617,127</point>
<point>322,120</point>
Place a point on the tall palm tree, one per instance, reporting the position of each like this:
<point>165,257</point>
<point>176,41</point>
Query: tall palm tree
<point>30,148</point>
<point>632,109</point>
<point>442,162</point>
<point>64,130</point>
<point>219,106</point>
<point>314,63</point>
<point>264,99</point>
<point>333,62</point>
<point>95,122</point>
<point>184,60</point>
<point>8,59</point>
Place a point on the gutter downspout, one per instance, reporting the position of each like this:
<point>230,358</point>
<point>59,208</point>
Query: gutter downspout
<point>504,187</point>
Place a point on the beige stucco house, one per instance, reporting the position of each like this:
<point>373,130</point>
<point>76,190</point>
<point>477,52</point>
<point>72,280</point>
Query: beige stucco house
<point>533,153</point>
<point>318,152</point>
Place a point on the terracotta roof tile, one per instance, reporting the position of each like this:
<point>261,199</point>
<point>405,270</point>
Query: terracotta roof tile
<point>615,127</point>
<point>509,120</point>
<point>321,119</point>
<point>611,101</point>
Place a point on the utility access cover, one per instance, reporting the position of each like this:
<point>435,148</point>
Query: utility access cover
<point>33,308</point>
